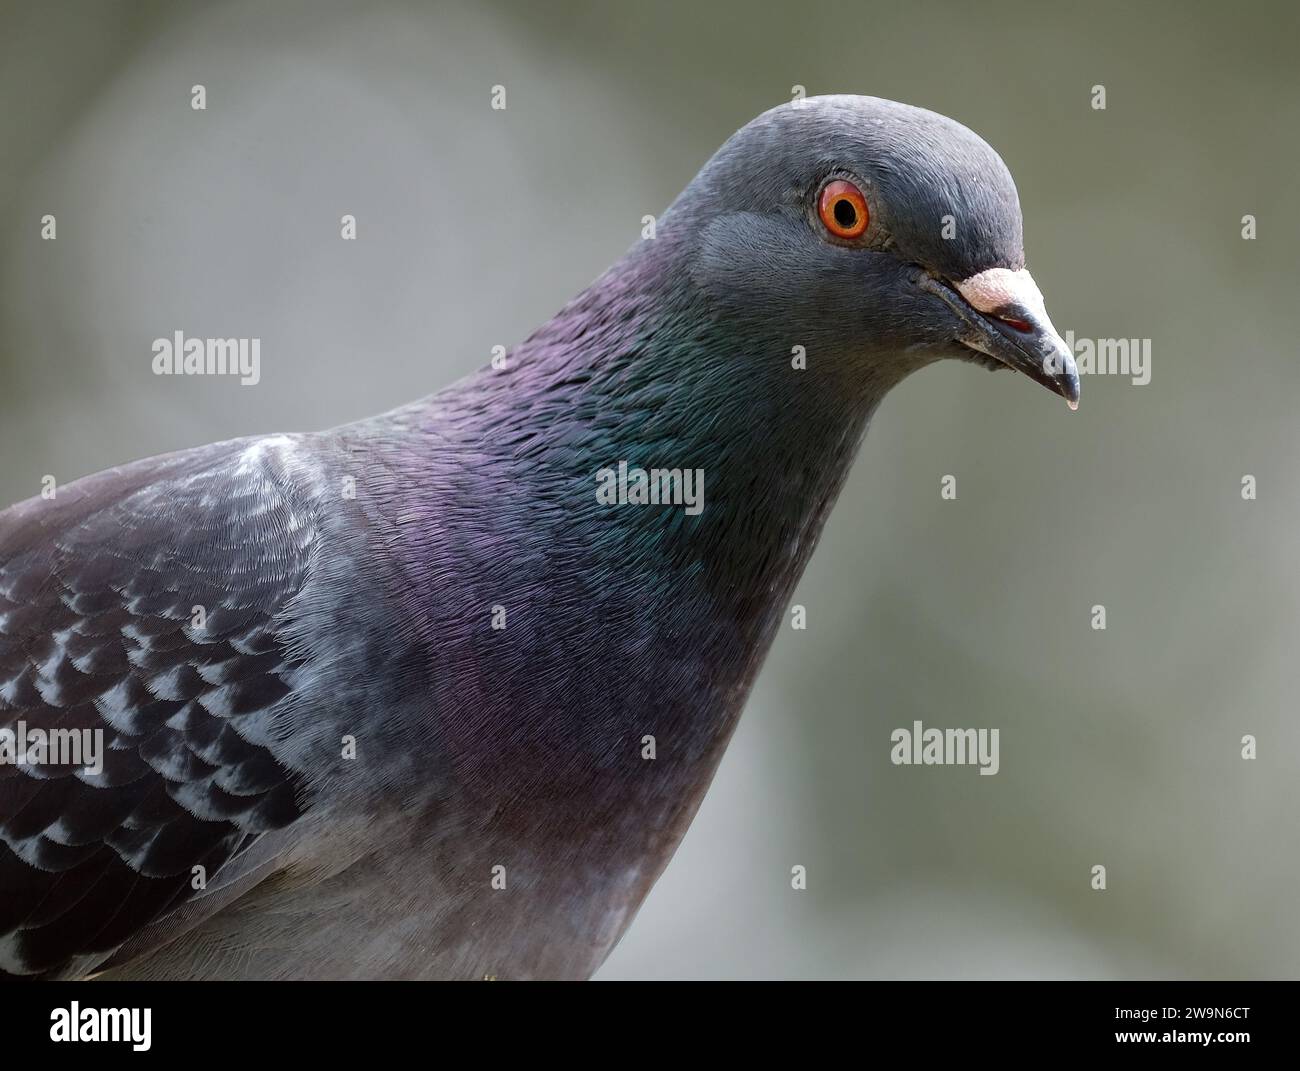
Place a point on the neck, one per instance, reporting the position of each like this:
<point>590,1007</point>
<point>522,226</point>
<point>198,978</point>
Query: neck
<point>650,375</point>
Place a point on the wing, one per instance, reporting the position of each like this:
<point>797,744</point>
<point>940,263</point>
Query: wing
<point>141,609</point>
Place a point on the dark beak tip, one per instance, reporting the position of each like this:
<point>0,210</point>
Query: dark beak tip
<point>1070,391</point>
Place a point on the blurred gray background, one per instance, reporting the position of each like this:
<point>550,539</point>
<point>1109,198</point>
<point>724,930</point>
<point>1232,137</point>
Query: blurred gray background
<point>1120,748</point>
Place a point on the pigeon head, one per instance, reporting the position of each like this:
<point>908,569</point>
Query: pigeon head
<point>876,235</point>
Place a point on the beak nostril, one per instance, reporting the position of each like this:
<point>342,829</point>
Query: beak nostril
<point>1024,326</point>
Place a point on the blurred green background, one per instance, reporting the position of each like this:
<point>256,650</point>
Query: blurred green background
<point>1119,747</point>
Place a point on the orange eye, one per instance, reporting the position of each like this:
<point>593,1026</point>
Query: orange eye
<point>843,209</point>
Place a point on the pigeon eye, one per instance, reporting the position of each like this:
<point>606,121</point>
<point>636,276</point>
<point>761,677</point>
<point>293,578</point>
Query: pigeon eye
<point>843,209</point>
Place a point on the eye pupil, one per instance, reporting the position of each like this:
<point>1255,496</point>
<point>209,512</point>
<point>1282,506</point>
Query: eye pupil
<point>845,214</point>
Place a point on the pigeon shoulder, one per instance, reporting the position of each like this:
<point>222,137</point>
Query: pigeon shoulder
<point>147,615</point>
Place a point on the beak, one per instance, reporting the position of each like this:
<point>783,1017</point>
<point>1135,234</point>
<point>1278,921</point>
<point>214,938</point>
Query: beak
<point>1005,318</point>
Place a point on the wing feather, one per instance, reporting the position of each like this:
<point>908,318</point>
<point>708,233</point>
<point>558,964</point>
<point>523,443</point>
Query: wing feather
<point>144,604</point>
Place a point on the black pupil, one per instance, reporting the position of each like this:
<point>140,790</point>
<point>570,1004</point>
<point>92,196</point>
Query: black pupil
<point>845,214</point>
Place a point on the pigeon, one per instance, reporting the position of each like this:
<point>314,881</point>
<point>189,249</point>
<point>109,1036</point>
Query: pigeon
<point>436,694</point>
